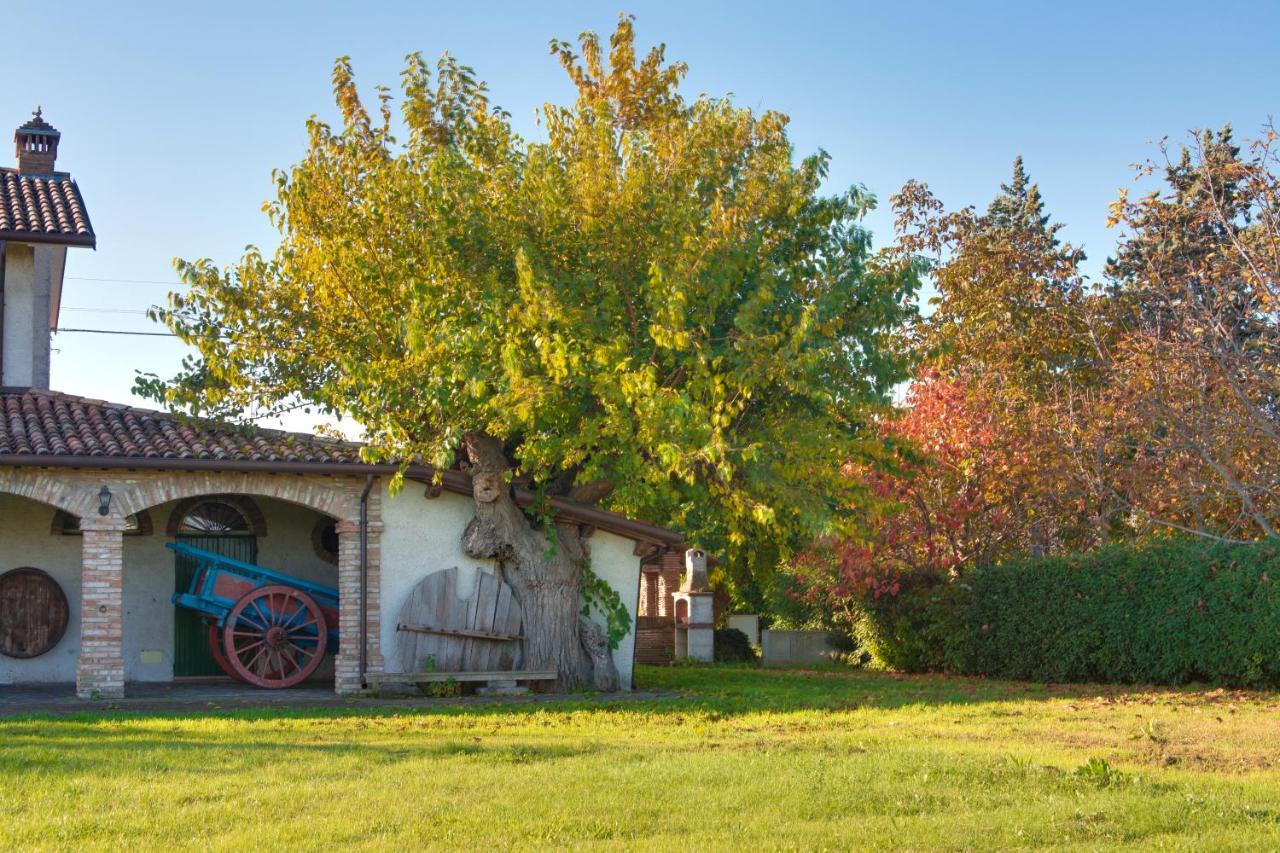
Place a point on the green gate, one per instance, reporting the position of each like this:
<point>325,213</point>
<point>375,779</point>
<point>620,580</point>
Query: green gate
<point>191,655</point>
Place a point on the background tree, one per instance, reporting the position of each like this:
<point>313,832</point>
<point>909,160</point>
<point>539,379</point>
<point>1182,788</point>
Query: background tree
<point>654,308</point>
<point>1009,302</point>
<point>1193,380</point>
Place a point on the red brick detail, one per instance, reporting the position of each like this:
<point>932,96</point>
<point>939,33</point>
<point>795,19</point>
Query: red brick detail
<point>100,669</point>
<point>655,640</point>
<point>347,663</point>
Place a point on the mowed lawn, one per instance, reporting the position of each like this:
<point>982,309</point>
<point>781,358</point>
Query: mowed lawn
<point>740,759</point>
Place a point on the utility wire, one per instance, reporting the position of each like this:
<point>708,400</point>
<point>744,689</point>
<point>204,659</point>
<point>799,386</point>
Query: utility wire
<point>106,310</point>
<point>125,280</point>
<point>120,332</point>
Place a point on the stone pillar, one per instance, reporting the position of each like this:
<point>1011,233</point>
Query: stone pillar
<point>695,611</point>
<point>347,663</point>
<point>100,669</point>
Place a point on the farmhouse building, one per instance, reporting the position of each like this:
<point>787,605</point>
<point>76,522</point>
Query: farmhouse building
<point>91,493</point>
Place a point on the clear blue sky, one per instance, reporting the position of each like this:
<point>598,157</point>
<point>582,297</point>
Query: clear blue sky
<point>173,118</point>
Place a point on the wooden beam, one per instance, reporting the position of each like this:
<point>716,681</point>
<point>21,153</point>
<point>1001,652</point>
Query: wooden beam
<point>458,632</point>
<point>499,675</point>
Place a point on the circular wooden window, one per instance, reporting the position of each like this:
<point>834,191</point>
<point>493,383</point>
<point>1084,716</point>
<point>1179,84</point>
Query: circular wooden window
<point>33,613</point>
<point>324,538</point>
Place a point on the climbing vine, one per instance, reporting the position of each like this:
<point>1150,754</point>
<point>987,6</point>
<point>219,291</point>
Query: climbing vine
<point>595,591</point>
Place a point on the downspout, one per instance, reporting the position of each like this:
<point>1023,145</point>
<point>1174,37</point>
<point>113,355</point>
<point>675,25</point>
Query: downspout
<point>364,577</point>
<point>2,257</point>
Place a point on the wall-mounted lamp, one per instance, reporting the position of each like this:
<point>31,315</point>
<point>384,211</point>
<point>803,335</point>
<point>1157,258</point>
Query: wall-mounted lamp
<point>104,501</point>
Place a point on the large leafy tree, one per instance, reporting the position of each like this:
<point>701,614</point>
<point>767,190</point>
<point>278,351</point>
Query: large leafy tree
<point>654,307</point>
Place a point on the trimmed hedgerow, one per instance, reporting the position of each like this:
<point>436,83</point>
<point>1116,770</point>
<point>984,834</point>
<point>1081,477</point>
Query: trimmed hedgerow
<point>1167,613</point>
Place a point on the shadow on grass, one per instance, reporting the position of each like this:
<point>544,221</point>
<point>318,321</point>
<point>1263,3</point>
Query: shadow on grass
<point>718,691</point>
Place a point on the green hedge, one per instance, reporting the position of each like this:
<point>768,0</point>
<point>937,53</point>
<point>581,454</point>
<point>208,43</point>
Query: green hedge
<point>1168,613</point>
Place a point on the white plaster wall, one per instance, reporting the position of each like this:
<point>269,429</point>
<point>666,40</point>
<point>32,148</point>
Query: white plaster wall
<point>25,540</point>
<point>423,535</point>
<point>19,315</point>
<point>613,558</point>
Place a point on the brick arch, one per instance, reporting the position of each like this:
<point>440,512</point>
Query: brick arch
<point>45,487</point>
<point>248,508</point>
<point>332,496</point>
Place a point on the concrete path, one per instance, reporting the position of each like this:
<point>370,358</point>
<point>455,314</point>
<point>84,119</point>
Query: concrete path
<point>223,694</point>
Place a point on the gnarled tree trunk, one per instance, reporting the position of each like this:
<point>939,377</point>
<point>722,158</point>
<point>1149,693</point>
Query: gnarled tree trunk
<point>546,581</point>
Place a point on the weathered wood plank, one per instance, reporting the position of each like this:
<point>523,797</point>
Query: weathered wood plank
<point>459,632</point>
<point>480,633</point>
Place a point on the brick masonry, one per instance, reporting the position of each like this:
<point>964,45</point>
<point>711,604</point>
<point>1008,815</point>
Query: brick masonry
<point>655,640</point>
<point>100,669</point>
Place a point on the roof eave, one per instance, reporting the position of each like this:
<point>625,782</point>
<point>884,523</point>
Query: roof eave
<point>88,241</point>
<point>453,481</point>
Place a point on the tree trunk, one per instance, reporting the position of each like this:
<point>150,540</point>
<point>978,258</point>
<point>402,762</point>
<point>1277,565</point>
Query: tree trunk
<point>546,581</point>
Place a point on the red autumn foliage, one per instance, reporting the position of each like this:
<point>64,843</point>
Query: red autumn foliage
<point>970,488</point>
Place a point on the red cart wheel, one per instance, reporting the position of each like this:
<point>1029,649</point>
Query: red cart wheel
<point>275,637</point>
<point>219,656</point>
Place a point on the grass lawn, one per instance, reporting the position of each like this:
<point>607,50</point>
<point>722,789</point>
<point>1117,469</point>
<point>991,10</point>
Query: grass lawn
<point>743,758</point>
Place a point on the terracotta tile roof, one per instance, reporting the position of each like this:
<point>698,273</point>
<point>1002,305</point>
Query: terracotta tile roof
<point>46,423</point>
<point>48,429</point>
<point>43,209</point>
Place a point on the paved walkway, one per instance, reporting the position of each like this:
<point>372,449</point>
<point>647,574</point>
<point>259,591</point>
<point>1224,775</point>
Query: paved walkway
<point>223,694</point>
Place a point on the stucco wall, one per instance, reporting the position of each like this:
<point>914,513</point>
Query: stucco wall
<point>19,314</point>
<point>423,535</point>
<point>26,540</point>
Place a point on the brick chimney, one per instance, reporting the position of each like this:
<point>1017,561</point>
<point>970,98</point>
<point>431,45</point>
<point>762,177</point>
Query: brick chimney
<point>37,145</point>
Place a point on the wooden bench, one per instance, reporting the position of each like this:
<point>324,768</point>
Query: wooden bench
<point>376,679</point>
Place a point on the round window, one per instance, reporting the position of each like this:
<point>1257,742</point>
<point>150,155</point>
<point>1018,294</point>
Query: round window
<point>33,613</point>
<point>324,537</point>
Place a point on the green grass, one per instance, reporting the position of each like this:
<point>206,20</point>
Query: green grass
<point>741,759</point>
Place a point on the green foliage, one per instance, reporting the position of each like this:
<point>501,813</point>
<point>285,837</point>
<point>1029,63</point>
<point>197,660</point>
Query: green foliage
<point>1172,612</point>
<point>1099,773</point>
<point>597,593</point>
<point>1169,613</point>
<point>924,628</point>
<point>733,646</point>
<point>658,296</point>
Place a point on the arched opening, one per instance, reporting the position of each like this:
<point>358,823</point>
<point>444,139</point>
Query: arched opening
<point>217,524</point>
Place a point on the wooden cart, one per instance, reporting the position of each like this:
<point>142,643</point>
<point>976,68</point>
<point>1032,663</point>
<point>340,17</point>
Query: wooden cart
<point>265,628</point>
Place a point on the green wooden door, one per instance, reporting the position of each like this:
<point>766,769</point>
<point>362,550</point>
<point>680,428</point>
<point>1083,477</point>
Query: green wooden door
<point>191,655</point>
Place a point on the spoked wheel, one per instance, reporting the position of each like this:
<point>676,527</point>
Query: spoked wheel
<point>220,656</point>
<point>275,637</point>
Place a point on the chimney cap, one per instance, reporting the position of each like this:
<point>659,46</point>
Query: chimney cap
<point>37,126</point>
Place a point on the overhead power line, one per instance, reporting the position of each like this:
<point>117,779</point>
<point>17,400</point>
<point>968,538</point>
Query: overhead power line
<point>120,332</point>
<point>106,310</point>
<point>126,280</point>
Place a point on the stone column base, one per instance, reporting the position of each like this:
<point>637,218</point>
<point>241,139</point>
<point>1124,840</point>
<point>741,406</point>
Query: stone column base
<point>100,677</point>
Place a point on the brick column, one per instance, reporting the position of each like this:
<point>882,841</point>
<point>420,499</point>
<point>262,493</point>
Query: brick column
<point>347,662</point>
<point>100,669</point>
